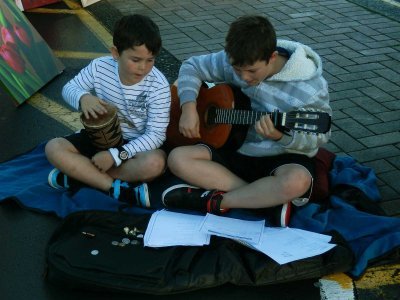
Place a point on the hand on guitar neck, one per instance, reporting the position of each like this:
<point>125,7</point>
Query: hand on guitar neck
<point>223,119</point>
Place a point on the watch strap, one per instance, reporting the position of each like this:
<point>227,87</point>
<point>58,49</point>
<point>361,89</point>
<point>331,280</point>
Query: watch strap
<point>122,150</point>
<point>114,153</point>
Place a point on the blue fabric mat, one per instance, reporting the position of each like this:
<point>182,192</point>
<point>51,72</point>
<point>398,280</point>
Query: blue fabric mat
<point>24,179</point>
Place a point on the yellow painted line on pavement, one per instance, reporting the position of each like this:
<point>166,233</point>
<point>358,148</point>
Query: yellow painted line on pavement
<point>97,29</point>
<point>379,276</point>
<point>73,4</point>
<point>56,111</point>
<point>340,286</point>
<point>52,11</point>
<point>49,107</point>
<point>337,286</point>
<point>78,55</point>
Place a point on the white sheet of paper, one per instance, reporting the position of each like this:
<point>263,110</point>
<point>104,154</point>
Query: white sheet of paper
<point>248,231</point>
<point>167,228</point>
<point>313,235</point>
<point>285,245</point>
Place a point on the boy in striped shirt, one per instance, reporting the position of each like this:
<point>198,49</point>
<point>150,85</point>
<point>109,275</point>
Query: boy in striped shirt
<point>129,81</point>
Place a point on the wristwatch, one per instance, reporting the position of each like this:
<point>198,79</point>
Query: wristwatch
<point>122,154</point>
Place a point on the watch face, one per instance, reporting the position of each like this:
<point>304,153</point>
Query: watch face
<point>123,155</point>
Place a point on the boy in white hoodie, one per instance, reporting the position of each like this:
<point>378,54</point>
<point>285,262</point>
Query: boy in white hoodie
<point>272,168</point>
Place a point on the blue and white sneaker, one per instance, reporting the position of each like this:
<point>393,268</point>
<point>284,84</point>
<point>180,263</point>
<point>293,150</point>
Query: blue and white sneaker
<point>125,192</point>
<point>58,180</point>
<point>142,195</point>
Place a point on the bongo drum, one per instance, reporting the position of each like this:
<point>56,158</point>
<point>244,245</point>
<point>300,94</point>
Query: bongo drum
<point>105,131</point>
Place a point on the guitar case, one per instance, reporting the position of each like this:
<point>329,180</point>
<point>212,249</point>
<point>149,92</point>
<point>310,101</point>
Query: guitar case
<point>103,251</point>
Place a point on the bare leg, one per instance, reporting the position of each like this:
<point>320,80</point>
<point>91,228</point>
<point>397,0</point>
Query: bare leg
<point>289,182</point>
<point>194,165</point>
<point>144,167</point>
<point>65,157</point>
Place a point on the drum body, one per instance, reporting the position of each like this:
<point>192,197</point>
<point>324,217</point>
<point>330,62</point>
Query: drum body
<point>105,131</point>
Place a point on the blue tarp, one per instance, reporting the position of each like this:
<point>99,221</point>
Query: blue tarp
<point>24,179</point>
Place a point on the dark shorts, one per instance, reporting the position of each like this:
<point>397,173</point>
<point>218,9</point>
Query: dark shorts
<point>251,168</point>
<point>82,143</point>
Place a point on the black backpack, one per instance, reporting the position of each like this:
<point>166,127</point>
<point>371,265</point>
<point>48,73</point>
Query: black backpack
<point>103,251</point>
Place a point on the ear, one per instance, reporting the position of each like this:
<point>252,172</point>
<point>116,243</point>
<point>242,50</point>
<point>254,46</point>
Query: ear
<point>114,52</point>
<point>273,57</point>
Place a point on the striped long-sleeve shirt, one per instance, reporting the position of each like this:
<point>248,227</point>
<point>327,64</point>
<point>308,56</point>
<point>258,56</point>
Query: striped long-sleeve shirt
<point>143,108</point>
<point>299,85</point>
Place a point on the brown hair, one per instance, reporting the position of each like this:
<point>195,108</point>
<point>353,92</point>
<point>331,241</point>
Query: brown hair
<point>249,39</point>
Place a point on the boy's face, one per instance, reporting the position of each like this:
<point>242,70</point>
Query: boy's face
<point>134,63</point>
<point>255,73</point>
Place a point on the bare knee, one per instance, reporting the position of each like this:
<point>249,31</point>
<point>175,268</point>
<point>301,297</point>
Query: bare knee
<point>156,164</point>
<point>181,158</point>
<point>54,148</point>
<point>177,159</point>
<point>294,182</point>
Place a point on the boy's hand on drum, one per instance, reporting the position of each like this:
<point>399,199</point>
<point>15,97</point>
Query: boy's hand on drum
<point>92,106</point>
<point>103,161</point>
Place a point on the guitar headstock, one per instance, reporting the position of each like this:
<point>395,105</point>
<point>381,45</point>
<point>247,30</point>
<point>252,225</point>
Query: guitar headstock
<point>302,120</point>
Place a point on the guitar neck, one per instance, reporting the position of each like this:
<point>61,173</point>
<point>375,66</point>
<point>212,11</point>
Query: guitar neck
<point>234,116</point>
<point>305,121</point>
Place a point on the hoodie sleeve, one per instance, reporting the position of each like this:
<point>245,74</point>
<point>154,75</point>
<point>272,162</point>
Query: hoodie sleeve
<point>308,143</point>
<point>197,69</point>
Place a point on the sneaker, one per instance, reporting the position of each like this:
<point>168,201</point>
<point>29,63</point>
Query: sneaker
<point>142,195</point>
<point>132,194</point>
<point>186,196</point>
<point>57,179</point>
<point>283,213</point>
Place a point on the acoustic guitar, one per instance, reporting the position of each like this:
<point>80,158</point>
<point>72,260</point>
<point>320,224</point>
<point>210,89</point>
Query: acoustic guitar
<point>224,118</point>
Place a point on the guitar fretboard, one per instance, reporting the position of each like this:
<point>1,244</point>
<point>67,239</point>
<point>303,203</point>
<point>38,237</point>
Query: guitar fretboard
<point>305,121</point>
<point>235,116</point>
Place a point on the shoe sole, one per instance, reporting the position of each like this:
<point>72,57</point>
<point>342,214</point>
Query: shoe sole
<point>176,186</point>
